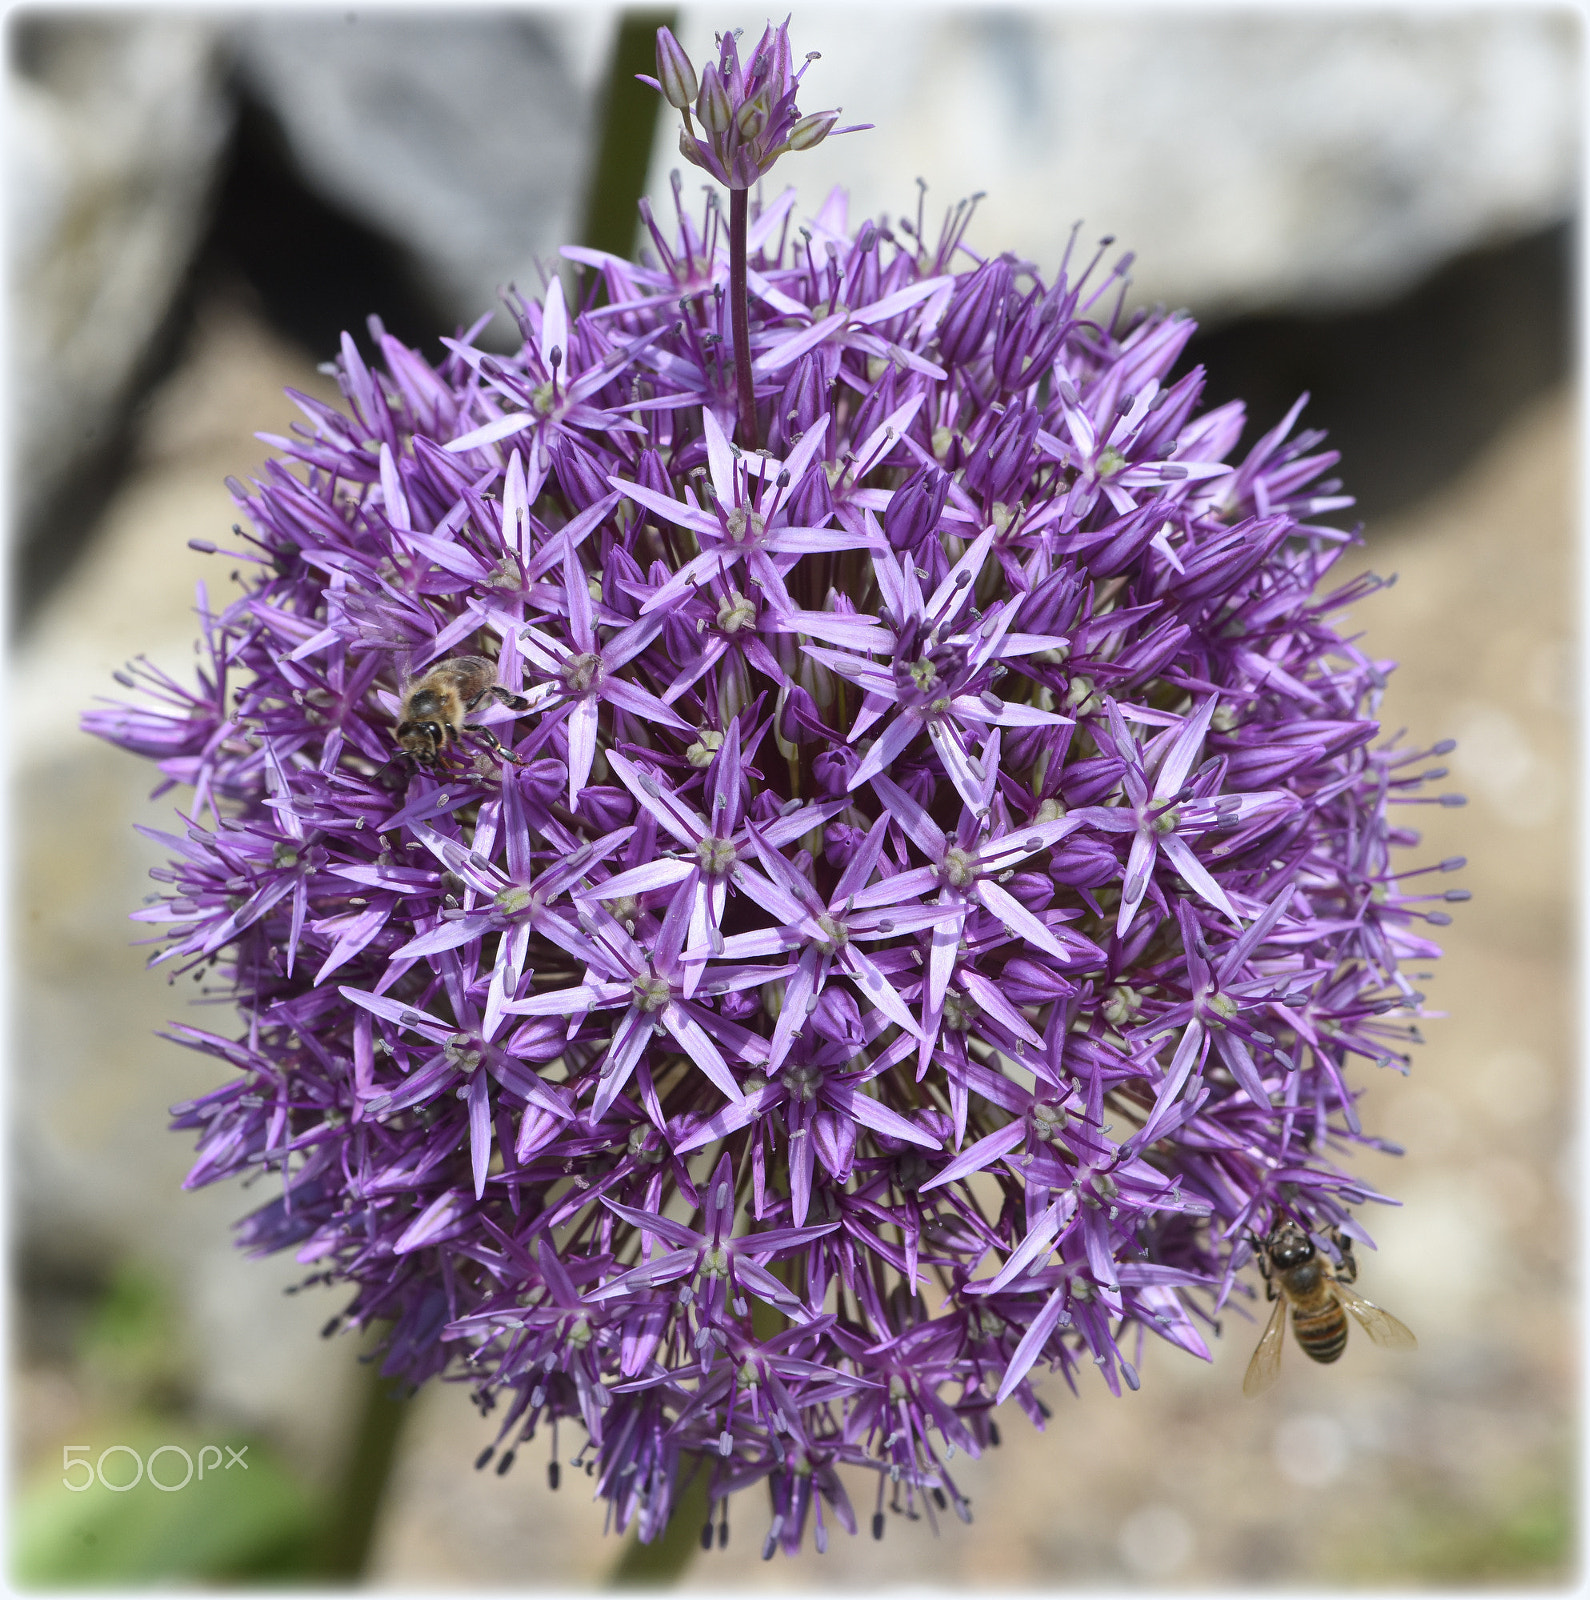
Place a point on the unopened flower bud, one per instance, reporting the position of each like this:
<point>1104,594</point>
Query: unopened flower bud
<point>812,130</point>
<point>689,149</point>
<point>913,512</point>
<point>674,72</point>
<point>712,104</point>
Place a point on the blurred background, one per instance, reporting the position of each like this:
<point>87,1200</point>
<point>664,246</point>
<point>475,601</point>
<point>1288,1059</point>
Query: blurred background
<point>1377,206</point>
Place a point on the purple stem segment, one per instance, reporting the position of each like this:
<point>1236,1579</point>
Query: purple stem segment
<point>738,207</point>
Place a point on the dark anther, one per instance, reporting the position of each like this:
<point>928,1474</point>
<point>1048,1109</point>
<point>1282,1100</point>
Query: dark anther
<point>554,1474</point>
<point>485,1456</point>
<point>877,1525</point>
<point>706,1534</point>
<point>939,1500</point>
<point>504,1463</point>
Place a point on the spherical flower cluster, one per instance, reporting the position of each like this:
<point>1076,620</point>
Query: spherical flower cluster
<point>910,917</point>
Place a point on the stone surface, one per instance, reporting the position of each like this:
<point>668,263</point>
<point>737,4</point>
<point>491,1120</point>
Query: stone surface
<point>1384,1469</point>
<point>460,135</point>
<point>1252,158</point>
<point>115,125</point>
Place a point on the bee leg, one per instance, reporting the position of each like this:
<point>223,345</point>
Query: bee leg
<point>496,746</point>
<point>1347,1272</point>
<point>514,702</point>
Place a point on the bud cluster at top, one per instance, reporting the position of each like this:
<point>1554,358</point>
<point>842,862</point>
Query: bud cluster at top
<point>915,901</point>
<point>745,116</point>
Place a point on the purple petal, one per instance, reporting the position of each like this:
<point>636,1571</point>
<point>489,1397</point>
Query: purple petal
<point>977,1156</point>
<point>1032,1343</point>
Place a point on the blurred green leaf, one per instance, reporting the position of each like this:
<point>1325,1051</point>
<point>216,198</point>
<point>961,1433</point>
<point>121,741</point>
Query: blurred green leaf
<point>246,1522</point>
<point>134,1312</point>
<point>133,1343</point>
<point>1531,1541</point>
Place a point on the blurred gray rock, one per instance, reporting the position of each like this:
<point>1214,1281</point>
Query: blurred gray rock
<point>461,135</point>
<point>116,125</point>
<point>1254,159</point>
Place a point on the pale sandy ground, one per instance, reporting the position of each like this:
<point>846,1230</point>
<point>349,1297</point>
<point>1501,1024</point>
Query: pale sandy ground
<point>1458,1460</point>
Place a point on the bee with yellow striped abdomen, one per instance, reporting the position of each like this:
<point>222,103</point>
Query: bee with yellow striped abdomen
<point>1299,1277</point>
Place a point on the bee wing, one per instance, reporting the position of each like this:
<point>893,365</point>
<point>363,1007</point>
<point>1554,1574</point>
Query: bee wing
<point>1380,1325</point>
<point>1265,1367</point>
<point>400,654</point>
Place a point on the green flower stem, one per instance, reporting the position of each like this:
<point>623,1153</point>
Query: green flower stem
<point>626,133</point>
<point>354,1504</point>
<point>665,1559</point>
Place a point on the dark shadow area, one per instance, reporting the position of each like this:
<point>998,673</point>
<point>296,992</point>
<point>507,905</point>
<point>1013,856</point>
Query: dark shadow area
<point>46,546</point>
<point>1411,390</point>
<point>312,270</point>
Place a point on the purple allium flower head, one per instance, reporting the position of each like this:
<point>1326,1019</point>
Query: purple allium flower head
<point>932,902</point>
